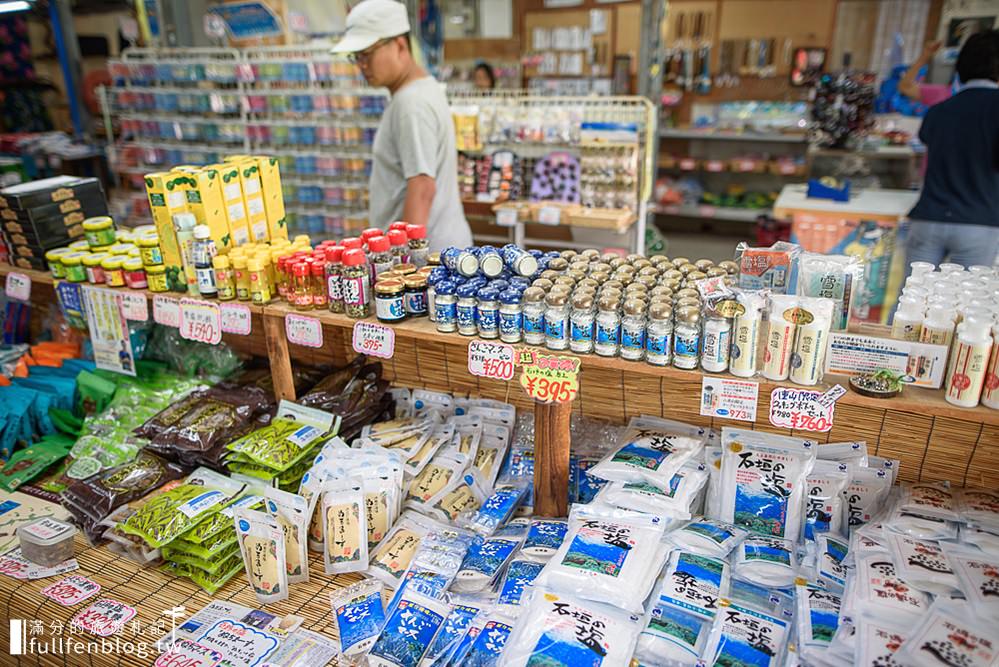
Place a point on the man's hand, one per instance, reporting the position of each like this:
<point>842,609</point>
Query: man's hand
<point>420,191</point>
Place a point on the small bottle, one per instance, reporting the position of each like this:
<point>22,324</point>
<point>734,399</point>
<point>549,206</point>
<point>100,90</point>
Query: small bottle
<point>241,276</point>
<point>436,276</point>
<point>260,291</point>
<point>487,311</point>
<point>184,224</point>
<point>461,262</point>
<point>333,272</point>
<point>446,307</point>
<point>990,391</point>
<point>581,323</point>
<point>510,318</point>
<point>224,279</point>
<point>320,293</point>
<point>746,336</point>
<point>135,273</point>
<point>633,330</point>
<point>715,341</point>
<point>356,285</point>
<point>518,260</point>
<point>490,261</point>
<point>557,320</point>
<point>380,255</point>
<point>687,338</point>
<point>938,325</point>
<point>399,246</point>
<point>533,310</point>
<point>466,309</point>
<point>968,361</point>
<point>608,329</point>
<point>390,301</point>
<point>415,295</point>
<point>370,233</point>
<point>659,334</point>
<point>301,295</point>
<point>419,246</point>
<point>908,321</point>
<point>204,251</point>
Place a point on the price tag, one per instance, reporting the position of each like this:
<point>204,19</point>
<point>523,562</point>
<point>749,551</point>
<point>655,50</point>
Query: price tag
<point>187,653</point>
<point>71,590</point>
<point>200,321</point>
<point>18,287</point>
<point>688,164</point>
<point>305,436</point>
<point>829,398</point>
<point>549,378</point>
<point>166,311</point>
<point>104,618</point>
<point>787,168</point>
<point>746,165</point>
<point>799,409</point>
<point>135,307</point>
<point>236,319</point>
<point>302,330</point>
<point>550,215</point>
<point>490,360</point>
<point>714,166</point>
<point>373,339</point>
<point>729,399</point>
<point>506,217</point>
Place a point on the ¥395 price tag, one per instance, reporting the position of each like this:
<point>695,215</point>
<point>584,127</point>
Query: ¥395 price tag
<point>374,339</point>
<point>18,287</point>
<point>236,319</point>
<point>303,330</point>
<point>200,321</point>
<point>491,360</point>
<point>800,409</point>
<point>549,378</point>
<point>166,311</point>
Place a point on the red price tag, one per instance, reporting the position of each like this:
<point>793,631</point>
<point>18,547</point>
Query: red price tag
<point>302,330</point>
<point>166,311</point>
<point>103,618</point>
<point>491,360</point>
<point>187,653</point>
<point>236,319</point>
<point>549,378</point>
<point>373,339</point>
<point>799,409</point>
<point>200,321</point>
<point>18,287</point>
<point>71,590</point>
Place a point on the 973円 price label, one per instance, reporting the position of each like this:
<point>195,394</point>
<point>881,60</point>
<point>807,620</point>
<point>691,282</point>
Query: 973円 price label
<point>200,321</point>
<point>549,378</point>
<point>373,339</point>
<point>491,360</point>
<point>800,409</point>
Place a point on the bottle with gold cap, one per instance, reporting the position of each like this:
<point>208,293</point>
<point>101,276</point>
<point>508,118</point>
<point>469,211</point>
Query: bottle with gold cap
<point>633,330</point>
<point>241,275</point>
<point>659,334</point>
<point>687,338</point>
<point>608,326</point>
<point>260,291</point>
<point>225,281</point>
<point>581,323</point>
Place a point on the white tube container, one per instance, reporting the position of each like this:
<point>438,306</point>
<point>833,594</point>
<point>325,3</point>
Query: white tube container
<point>908,319</point>
<point>715,343</point>
<point>990,391</point>
<point>809,352</point>
<point>966,372</point>
<point>938,326</point>
<point>746,336</point>
<point>780,343</point>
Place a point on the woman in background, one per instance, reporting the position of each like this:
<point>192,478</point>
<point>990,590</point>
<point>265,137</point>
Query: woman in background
<point>483,76</point>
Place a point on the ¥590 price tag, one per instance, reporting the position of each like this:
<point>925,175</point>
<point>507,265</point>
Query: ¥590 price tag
<point>303,330</point>
<point>549,378</point>
<point>491,360</point>
<point>166,311</point>
<point>374,339</point>
<point>200,321</point>
<point>799,409</point>
<point>18,287</point>
<point>236,319</point>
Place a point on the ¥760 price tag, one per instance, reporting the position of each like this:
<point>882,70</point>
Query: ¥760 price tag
<point>18,287</point>
<point>200,321</point>
<point>799,409</point>
<point>549,378</point>
<point>373,339</point>
<point>491,360</point>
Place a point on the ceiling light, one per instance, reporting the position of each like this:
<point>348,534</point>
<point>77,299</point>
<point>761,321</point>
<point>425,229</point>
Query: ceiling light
<point>14,6</point>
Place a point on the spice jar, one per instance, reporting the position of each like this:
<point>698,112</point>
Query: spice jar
<point>380,255</point>
<point>633,330</point>
<point>434,259</point>
<point>389,301</point>
<point>398,242</point>
<point>260,290</point>
<point>557,319</point>
<point>241,276</point>
<point>510,317</point>
<point>608,326</point>
<point>300,289</point>
<point>581,323</point>
<point>333,272</point>
<point>436,275</point>
<point>730,267</point>
<point>405,269</point>
<point>466,309</point>
<point>543,284</point>
<point>659,334</point>
<point>135,274</point>
<point>419,246</point>
<point>415,295</point>
<point>533,311</point>
<point>703,264</point>
<point>52,257</point>
<point>487,310</point>
<point>225,281</point>
<point>445,307</point>
<point>99,231</point>
<point>356,285</point>
<point>114,274</point>
<point>149,250</point>
<point>320,294</point>
<point>92,265</point>
<point>462,262</point>
<point>687,338</point>
<point>157,278</point>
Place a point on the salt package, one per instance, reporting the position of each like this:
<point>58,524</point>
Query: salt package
<point>978,577</point>
<point>949,635</point>
<point>767,561</point>
<point>879,638</point>
<point>879,589</point>
<point>671,636</point>
<point>708,536</point>
<point>743,636</point>
<point>922,564</point>
<point>694,583</point>
<point>651,449</point>
<point>673,500</point>
<point>817,617</point>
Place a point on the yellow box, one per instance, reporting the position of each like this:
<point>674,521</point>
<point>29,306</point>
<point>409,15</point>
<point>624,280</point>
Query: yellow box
<point>232,197</point>
<point>236,158</point>
<point>270,183</point>
<point>205,200</point>
<point>253,197</point>
<point>167,197</point>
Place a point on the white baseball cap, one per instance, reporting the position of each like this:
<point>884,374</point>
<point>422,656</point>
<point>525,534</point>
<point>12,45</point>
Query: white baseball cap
<point>370,21</point>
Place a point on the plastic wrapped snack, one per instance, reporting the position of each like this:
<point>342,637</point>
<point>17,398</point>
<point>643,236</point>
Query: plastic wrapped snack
<point>261,543</point>
<point>486,559</point>
<point>497,509</point>
<point>408,632</point>
<point>359,616</point>
<point>291,512</point>
<point>345,527</point>
<point>767,268</point>
<point>518,580</point>
<point>879,589</point>
<point>392,556</point>
<point>651,449</point>
<point>464,610</point>
<point>544,537</point>
<point>487,649</point>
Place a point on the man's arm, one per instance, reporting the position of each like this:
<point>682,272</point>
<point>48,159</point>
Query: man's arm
<point>420,192</point>
<point>908,85</point>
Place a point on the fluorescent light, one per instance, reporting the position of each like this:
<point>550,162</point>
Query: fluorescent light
<point>14,6</point>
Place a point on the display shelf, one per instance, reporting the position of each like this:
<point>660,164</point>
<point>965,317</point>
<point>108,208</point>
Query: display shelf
<point>732,135</point>
<point>712,212</point>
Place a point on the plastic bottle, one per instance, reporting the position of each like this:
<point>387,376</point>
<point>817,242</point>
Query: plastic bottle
<point>557,319</point>
<point>204,251</point>
<point>466,308</point>
<point>968,361</point>
<point>487,311</point>
<point>333,272</point>
<point>437,275</point>
<point>608,329</point>
<point>183,225</point>
<point>779,344</point>
<point>938,326</point>
<point>533,310</point>
<point>301,284</point>
<point>715,343</point>
<point>461,262</point>
<point>380,255</point>
<point>319,289</point>
<point>399,246</point>
<point>490,261</point>
<point>687,338</point>
<point>518,260</point>
<point>581,323</point>
<point>356,285</point>
<point>260,291</point>
<point>908,321</point>
<point>419,246</point>
<point>746,336</point>
<point>510,317</point>
<point>659,334</point>
<point>224,279</point>
<point>633,330</point>
<point>445,305</point>
<point>990,391</point>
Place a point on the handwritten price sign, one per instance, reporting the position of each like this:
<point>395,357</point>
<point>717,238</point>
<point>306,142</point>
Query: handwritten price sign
<point>491,360</point>
<point>18,287</point>
<point>799,409</point>
<point>71,590</point>
<point>187,653</point>
<point>166,311</point>
<point>200,321</point>
<point>549,378</point>
<point>135,307</point>
<point>236,319</point>
<point>302,330</point>
<point>104,618</point>
<point>373,339</point>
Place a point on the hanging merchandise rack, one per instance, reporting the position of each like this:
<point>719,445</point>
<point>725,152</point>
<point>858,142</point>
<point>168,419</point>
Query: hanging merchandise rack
<point>609,139</point>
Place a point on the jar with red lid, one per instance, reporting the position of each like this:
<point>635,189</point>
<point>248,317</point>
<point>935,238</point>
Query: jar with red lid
<point>400,246</point>
<point>419,246</point>
<point>301,291</point>
<point>320,295</point>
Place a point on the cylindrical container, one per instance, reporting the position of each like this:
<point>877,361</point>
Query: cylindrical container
<point>919,269</point>
<point>716,341</point>
<point>581,323</point>
<point>92,265</point>
<point>557,320</point>
<point>333,272</point>
<point>490,261</point>
<point>608,326</point>
<point>908,321</point>
<point>462,262</point>
<point>52,258</point>
<point>135,273</point>
<point>260,289</point>
<point>746,337</point>
<point>415,295</point>
<point>487,311</point>
<point>399,247</point>
<point>114,274</point>
<point>73,265</point>
<point>149,250</point>
<point>687,338</point>
<point>356,284</point>
<point>419,246</point>
<point>990,390</point>
<point>380,255</point>
<point>533,311</point>
<point>224,279</point>
<point>183,225</point>
<point>519,260</point>
<point>780,345</point>
<point>390,305</point>
<point>510,317</point>
<point>968,362</point>
<point>659,334</point>
<point>445,307</point>
<point>809,352</point>
<point>436,275</point>
<point>633,330</point>
<point>204,251</point>
<point>157,278</point>
<point>99,231</point>
<point>938,325</point>
<point>320,293</point>
<point>466,309</point>
<point>241,276</point>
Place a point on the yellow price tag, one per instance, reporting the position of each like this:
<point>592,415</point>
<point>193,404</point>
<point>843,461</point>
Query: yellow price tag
<point>549,378</point>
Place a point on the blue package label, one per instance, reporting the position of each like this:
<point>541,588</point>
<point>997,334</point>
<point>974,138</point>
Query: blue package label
<point>407,634</point>
<point>608,335</point>
<point>456,624</point>
<point>487,557</point>
<point>488,646</point>
<point>519,576</point>
<point>359,619</point>
<point>546,535</point>
<point>601,547</point>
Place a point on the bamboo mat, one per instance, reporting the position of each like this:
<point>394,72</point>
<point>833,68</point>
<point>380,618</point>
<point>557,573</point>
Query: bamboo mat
<point>151,592</point>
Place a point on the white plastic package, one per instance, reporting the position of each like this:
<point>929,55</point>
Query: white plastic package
<point>345,527</point>
<point>425,400</point>
<point>359,614</point>
<point>979,507</point>
<point>767,561</point>
<point>978,577</point>
<point>741,635</point>
<point>864,496</point>
<point>486,559</point>
<point>985,540</point>
<point>830,554</point>
<point>922,564</point>
<point>949,635</point>
<point>463,494</point>
<point>766,599</point>
<point>708,536</point>
<point>434,477</point>
<point>651,449</point>
<point>835,277</point>
<point>694,584</point>
<point>673,500</point>
<point>408,632</point>
<point>764,481</point>
<point>879,589</point>
<point>824,502</point>
<point>817,617</point>
<point>392,556</point>
<point>879,638</point>
<point>496,510</point>
<point>544,537</point>
<point>262,545</point>
<point>930,499</point>
<point>921,526</point>
<point>844,452</point>
<point>712,462</point>
<point>440,436</point>
<point>292,513</point>
<point>671,637</point>
<point>890,466</point>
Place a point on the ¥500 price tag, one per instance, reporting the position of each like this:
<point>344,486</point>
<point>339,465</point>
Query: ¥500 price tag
<point>374,339</point>
<point>549,378</point>
<point>166,311</point>
<point>200,321</point>
<point>18,287</point>
<point>236,319</point>
<point>302,330</point>
<point>799,409</point>
<point>490,360</point>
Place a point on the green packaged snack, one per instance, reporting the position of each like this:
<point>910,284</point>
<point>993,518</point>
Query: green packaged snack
<point>95,392</point>
<point>164,518</point>
<point>211,584</point>
<point>207,550</point>
<point>210,566</point>
<point>277,445</point>
<point>32,461</point>
<point>223,519</point>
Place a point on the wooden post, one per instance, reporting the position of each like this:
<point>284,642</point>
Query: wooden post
<point>551,458</point>
<point>278,356</point>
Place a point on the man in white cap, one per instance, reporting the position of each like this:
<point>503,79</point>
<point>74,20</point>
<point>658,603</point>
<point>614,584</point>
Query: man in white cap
<point>414,175</point>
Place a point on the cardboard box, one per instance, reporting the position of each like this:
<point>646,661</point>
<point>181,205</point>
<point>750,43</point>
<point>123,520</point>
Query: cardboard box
<point>232,198</point>
<point>204,197</point>
<point>253,197</point>
<point>49,191</point>
<point>167,198</point>
<point>270,183</point>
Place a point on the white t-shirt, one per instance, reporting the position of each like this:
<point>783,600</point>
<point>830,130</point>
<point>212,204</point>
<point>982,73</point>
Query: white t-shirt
<point>416,136</point>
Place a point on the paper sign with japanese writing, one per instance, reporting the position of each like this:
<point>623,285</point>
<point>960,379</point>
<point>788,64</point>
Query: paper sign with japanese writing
<point>109,330</point>
<point>13,564</point>
<point>921,364</point>
<point>71,590</point>
<point>166,311</point>
<point>236,319</point>
<point>549,378</point>
<point>104,618</point>
<point>302,330</point>
<point>729,399</point>
<point>70,297</point>
<point>239,644</point>
<point>187,653</point>
<point>800,409</point>
<point>376,340</point>
<point>18,287</point>
<point>135,306</point>
<point>491,360</point>
<point>200,321</point>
